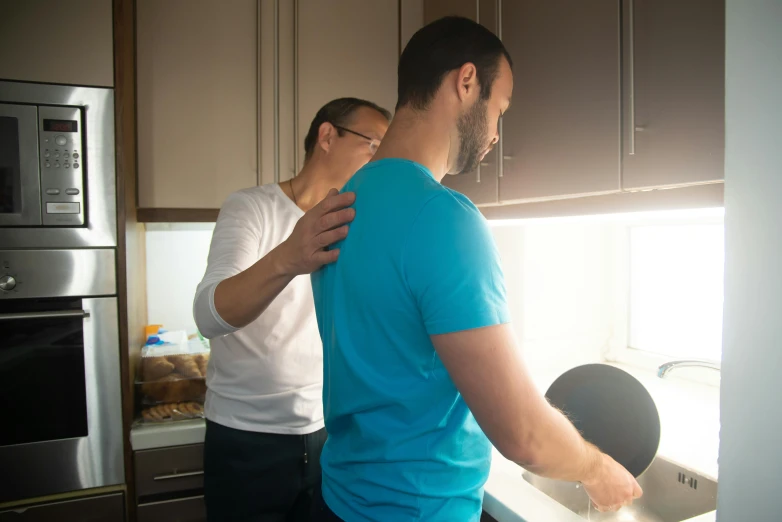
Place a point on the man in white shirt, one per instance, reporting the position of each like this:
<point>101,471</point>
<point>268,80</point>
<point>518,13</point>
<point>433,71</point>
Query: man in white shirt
<point>265,378</point>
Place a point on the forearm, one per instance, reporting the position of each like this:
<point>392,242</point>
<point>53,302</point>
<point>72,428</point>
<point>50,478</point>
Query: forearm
<point>553,447</point>
<point>241,299</point>
<point>489,371</point>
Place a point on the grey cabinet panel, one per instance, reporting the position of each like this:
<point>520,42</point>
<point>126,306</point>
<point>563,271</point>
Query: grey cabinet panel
<point>197,101</point>
<point>191,509</point>
<point>561,136</point>
<point>674,58</point>
<point>106,508</point>
<point>481,186</point>
<point>57,42</point>
<point>169,470</point>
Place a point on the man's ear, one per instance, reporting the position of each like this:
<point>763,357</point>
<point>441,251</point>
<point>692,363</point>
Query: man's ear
<point>467,82</point>
<point>326,134</point>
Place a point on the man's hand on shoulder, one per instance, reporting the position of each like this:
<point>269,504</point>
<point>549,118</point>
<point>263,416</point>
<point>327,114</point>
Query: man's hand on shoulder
<point>323,225</point>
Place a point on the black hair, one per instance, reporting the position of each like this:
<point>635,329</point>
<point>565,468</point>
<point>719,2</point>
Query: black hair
<point>439,48</point>
<point>337,112</point>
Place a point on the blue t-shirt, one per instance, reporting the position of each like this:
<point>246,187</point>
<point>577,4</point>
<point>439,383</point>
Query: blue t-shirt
<point>419,260</point>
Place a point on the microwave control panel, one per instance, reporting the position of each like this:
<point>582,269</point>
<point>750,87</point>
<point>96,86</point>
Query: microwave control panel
<point>60,139</point>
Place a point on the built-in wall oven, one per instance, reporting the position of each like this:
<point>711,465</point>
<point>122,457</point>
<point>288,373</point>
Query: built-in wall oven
<point>60,385</point>
<point>61,427</point>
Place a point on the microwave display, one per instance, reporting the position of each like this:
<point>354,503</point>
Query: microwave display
<point>60,125</point>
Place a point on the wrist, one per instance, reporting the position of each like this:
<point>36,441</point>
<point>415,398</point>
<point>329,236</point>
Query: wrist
<point>279,261</point>
<point>593,464</point>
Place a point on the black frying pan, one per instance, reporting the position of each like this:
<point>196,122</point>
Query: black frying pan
<point>612,410</point>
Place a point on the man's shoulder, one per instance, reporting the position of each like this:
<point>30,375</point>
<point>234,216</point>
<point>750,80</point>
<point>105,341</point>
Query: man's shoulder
<point>253,197</point>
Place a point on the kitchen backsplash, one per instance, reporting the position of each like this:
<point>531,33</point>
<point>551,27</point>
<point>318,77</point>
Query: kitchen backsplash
<point>176,261</point>
<point>556,277</point>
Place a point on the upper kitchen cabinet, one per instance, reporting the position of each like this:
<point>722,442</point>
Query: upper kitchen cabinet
<point>57,42</point>
<point>561,136</point>
<point>344,48</point>
<point>197,101</point>
<point>480,186</point>
<point>313,52</point>
<point>674,63</point>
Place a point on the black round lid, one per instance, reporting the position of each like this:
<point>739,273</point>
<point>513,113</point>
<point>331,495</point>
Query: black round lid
<point>612,410</point>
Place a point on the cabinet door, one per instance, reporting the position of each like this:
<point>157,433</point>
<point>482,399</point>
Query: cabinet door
<point>561,136</point>
<point>197,101</point>
<point>169,470</point>
<point>480,186</point>
<point>57,42</point>
<point>190,509</point>
<point>344,48</point>
<point>674,57</point>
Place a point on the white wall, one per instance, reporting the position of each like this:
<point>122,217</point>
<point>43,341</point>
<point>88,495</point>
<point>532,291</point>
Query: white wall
<point>176,261</point>
<point>750,451</point>
<point>558,277</point>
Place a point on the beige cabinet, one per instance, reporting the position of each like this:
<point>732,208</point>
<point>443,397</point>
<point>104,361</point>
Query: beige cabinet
<point>674,99</point>
<point>561,136</point>
<point>480,186</point>
<point>57,42</point>
<point>344,48</point>
<point>197,101</point>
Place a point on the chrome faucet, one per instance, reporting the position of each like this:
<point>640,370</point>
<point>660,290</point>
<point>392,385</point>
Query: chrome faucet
<point>666,368</point>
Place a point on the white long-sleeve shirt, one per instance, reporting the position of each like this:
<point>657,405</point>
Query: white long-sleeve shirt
<point>268,376</point>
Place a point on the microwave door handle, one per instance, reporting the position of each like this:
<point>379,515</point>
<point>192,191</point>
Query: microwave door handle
<point>44,315</point>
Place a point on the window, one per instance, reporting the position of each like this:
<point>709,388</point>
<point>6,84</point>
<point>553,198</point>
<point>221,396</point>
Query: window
<point>676,289</point>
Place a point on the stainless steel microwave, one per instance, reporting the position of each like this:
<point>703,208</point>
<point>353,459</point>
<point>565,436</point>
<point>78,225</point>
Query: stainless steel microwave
<point>42,164</point>
<point>57,186</point>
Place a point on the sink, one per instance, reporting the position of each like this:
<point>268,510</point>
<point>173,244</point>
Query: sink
<point>672,493</point>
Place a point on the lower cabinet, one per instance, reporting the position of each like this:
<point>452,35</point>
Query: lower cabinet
<point>170,484</point>
<point>104,508</point>
<point>190,509</point>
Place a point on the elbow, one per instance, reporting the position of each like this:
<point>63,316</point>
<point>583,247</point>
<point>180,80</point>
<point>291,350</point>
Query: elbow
<point>523,451</point>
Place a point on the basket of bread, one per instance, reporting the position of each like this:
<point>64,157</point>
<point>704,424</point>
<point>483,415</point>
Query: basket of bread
<point>172,381</point>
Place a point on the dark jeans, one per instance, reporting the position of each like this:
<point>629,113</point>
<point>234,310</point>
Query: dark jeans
<point>320,511</point>
<point>260,477</point>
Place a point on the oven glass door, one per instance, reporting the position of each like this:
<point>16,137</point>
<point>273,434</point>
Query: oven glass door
<point>42,371</point>
<point>20,183</point>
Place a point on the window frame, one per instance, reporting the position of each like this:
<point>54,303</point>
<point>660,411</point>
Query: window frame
<point>618,348</point>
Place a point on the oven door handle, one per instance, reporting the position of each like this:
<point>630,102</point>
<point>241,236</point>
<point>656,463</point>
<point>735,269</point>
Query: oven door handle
<point>45,315</point>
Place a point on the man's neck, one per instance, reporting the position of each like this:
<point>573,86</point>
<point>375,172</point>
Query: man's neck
<point>310,186</point>
<point>420,137</point>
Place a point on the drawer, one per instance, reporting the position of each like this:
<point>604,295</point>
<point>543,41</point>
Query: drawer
<point>105,508</point>
<point>168,470</point>
<point>190,509</point>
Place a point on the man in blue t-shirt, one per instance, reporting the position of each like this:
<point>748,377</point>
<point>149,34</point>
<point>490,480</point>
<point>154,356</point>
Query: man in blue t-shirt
<point>419,358</point>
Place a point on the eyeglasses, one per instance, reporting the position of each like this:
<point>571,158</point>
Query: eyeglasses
<point>373,143</point>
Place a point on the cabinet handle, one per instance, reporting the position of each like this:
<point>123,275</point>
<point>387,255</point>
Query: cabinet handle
<point>478,20</point>
<point>57,314</point>
<point>179,475</point>
<point>501,162</point>
<point>631,70</point>
<point>276,93</point>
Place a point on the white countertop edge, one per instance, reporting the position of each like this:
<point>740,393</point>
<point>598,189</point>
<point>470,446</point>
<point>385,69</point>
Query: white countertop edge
<point>165,434</point>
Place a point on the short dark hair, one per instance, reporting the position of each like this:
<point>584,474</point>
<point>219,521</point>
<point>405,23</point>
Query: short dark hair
<point>337,112</point>
<point>439,48</point>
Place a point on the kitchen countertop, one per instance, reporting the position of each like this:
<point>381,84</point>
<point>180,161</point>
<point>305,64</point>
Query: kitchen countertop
<point>508,497</point>
<point>163,435</point>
